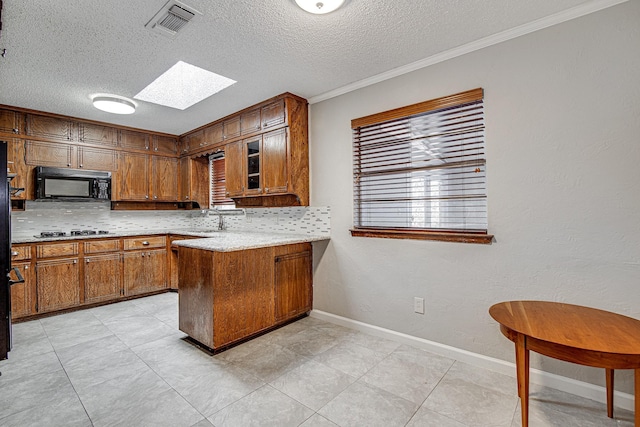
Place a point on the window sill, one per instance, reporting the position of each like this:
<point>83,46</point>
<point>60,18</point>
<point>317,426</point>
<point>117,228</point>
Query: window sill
<point>481,238</point>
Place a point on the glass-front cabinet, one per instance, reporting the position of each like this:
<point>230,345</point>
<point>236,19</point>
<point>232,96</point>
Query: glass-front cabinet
<point>253,153</point>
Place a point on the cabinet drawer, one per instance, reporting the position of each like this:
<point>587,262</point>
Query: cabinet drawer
<point>98,246</point>
<point>20,252</point>
<point>145,243</point>
<point>57,249</point>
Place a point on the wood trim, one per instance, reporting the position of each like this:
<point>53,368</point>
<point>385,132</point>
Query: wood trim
<point>421,107</point>
<point>440,236</point>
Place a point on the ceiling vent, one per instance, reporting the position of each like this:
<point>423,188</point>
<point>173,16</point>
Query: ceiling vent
<point>172,18</point>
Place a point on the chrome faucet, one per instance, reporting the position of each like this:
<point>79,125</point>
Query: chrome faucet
<point>221,224</point>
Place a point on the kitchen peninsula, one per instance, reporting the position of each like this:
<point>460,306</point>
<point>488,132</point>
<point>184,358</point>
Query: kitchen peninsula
<point>234,285</point>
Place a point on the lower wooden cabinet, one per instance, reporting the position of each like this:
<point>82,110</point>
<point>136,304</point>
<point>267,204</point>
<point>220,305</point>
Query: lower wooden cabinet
<point>226,297</point>
<point>57,284</point>
<point>145,271</point>
<point>292,283</point>
<point>21,293</point>
<point>102,277</point>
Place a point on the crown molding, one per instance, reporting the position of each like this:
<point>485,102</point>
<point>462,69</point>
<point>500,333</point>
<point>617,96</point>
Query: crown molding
<point>539,24</point>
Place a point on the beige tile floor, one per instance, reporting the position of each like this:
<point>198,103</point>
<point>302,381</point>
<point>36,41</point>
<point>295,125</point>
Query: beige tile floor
<point>127,364</point>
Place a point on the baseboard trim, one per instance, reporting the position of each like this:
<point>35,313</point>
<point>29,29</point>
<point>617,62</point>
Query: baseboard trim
<point>547,379</point>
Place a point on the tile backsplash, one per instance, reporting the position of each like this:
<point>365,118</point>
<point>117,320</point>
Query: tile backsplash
<point>65,216</point>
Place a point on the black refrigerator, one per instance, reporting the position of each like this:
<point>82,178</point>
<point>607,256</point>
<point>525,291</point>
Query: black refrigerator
<point>5,254</point>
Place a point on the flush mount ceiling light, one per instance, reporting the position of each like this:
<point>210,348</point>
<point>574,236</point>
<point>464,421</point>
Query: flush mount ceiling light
<point>112,104</point>
<point>183,85</point>
<point>319,7</point>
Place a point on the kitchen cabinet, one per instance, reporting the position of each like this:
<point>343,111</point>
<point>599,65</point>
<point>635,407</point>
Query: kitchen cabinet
<point>191,142</point>
<point>275,155</point>
<point>54,154</point>
<point>16,164</point>
<point>231,128</point>
<point>21,293</point>
<point>57,284</point>
<point>133,140</point>
<point>89,133</point>
<point>251,290</point>
<point>250,122</point>
<point>213,135</point>
<point>133,177</point>
<point>102,278</point>
<point>50,128</point>
<point>273,114</point>
<point>165,145</point>
<point>292,282</point>
<point>145,265</point>
<point>164,181</point>
<point>234,169</point>
<point>194,181</point>
<point>10,122</point>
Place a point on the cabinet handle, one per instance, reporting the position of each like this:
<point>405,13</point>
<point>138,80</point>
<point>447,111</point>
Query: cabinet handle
<point>68,164</point>
<point>156,149</point>
<point>87,260</point>
<point>266,190</point>
<point>145,243</point>
<point>26,267</point>
<point>80,164</point>
<point>142,254</point>
<point>14,253</point>
<point>148,253</point>
<point>186,197</point>
<point>75,261</point>
<point>15,130</point>
<point>155,197</point>
<point>146,197</point>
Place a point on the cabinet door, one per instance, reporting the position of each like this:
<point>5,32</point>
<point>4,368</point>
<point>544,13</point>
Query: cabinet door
<point>184,146</point>
<point>234,176</point>
<point>102,278</point>
<point>15,154</point>
<point>156,269</point>
<point>57,284</point>
<point>134,140</point>
<point>133,177</point>
<point>97,159</point>
<point>21,293</point>
<point>49,154</point>
<point>164,178</point>
<point>10,121</point>
<point>195,140</point>
<point>253,164</point>
<point>292,285</point>
<point>165,145</point>
<point>250,122</point>
<point>97,134</point>
<point>213,135</point>
<point>135,276</point>
<point>231,128</point>
<point>184,193</point>
<point>275,161</point>
<point>273,115</point>
<point>49,127</point>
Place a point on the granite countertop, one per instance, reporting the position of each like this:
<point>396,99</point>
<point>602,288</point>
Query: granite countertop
<point>228,241</point>
<point>212,240</point>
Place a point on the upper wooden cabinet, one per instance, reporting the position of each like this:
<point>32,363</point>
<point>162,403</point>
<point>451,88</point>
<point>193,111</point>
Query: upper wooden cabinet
<point>165,144</point>
<point>54,154</point>
<point>194,181</point>
<point>164,181</point>
<point>234,169</point>
<point>10,122</point>
<point>16,164</point>
<point>273,114</point>
<point>231,128</point>
<point>134,140</point>
<point>250,122</point>
<point>213,135</point>
<point>51,128</point>
<point>97,134</point>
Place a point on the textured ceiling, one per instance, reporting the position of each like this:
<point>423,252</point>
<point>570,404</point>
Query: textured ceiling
<point>61,52</point>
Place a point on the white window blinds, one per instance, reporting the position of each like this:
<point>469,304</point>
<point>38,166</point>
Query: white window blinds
<point>422,167</point>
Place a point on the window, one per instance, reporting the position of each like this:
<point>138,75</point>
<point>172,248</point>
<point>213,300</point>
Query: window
<point>419,171</point>
<point>217,183</point>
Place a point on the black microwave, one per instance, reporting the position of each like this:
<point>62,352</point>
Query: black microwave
<point>72,184</point>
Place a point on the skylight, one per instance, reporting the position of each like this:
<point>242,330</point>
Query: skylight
<point>183,85</point>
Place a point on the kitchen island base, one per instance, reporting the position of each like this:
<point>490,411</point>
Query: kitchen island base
<point>228,297</point>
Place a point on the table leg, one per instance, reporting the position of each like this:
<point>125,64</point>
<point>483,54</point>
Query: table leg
<point>522,369</point>
<point>637,396</point>
<point>609,392</point>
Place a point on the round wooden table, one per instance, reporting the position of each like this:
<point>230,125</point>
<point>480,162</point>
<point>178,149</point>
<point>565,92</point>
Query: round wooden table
<point>572,333</point>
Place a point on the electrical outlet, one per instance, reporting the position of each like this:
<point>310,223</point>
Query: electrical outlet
<point>418,305</point>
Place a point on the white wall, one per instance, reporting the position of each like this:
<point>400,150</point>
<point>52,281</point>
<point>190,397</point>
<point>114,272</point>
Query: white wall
<point>562,110</point>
